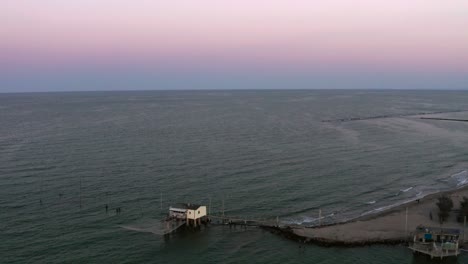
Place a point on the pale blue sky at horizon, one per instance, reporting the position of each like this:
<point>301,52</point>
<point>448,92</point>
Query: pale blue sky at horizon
<point>219,44</point>
<point>111,80</point>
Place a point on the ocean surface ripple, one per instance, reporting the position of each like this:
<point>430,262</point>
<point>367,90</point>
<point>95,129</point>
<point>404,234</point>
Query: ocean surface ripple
<point>64,156</point>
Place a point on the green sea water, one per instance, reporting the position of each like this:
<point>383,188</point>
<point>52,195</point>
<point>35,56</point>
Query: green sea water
<point>64,156</point>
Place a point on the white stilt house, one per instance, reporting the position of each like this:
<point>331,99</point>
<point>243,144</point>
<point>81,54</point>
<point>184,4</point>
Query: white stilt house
<point>192,213</point>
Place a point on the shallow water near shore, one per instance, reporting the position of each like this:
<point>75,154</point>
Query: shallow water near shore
<point>268,153</point>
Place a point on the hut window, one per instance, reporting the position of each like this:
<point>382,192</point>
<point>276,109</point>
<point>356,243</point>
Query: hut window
<point>198,211</point>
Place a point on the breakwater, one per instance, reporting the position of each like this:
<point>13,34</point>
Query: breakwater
<point>349,119</point>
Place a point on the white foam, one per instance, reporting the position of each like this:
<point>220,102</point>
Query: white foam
<point>302,220</point>
<point>371,202</point>
<point>383,208</point>
<point>461,178</point>
<point>407,189</point>
<point>308,219</point>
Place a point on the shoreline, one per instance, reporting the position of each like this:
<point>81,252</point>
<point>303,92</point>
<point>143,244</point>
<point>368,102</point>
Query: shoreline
<point>405,204</point>
<point>385,227</point>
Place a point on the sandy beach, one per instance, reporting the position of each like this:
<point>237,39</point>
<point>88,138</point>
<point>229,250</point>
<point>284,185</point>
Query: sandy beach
<point>388,226</point>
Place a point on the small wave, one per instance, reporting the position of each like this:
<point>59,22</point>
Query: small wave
<point>419,195</point>
<point>384,208</point>
<point>403,191</point>
<point>380,209</point>
<point>371,202</point>
<point>303,220</point>
<point>407,189</point>
<point>308,220</point>
<point>461,178</point>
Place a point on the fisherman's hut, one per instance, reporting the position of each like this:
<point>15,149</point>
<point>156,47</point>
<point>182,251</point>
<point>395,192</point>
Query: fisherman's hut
<point>436,242</point>
<point>192,213</point>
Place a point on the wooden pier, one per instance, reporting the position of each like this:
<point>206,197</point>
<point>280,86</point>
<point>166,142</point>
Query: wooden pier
<point>242,221</point>
<point>194,215</point>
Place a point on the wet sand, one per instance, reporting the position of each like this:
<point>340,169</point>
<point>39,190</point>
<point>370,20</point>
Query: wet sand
<point>387,226</point>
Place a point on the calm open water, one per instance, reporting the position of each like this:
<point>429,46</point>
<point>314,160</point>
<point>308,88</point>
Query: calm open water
<point>266,152</point>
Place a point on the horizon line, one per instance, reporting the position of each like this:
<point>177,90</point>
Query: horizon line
<point>243,89</point>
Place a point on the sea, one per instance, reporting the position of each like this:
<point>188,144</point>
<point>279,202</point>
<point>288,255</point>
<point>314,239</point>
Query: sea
<point>264,154</point>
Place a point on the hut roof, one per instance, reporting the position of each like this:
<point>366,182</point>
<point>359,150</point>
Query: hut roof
<point>186,206</point>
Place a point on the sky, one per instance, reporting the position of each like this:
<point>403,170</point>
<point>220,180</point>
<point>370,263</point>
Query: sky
<point>57,45</point>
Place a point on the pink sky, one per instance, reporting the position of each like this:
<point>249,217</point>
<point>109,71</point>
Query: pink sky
<point>398,35</point>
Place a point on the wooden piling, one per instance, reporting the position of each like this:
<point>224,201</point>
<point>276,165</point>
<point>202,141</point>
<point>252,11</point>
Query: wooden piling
<point>320,217</point>
<point>464,228</point>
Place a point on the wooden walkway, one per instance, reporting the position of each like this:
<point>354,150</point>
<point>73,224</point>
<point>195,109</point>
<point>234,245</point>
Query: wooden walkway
<point>168,226</point>
<point>229,220</point>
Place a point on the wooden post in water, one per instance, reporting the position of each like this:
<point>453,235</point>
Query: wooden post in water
<point>80,192</point>
<point>209,207</point>
<point>223,206</point>
<point>40,199</point>
<point>464,228</point>
<point>320,217</point>
<point>107,202</point>
<point>406,223</point>
<point>161,202</point>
